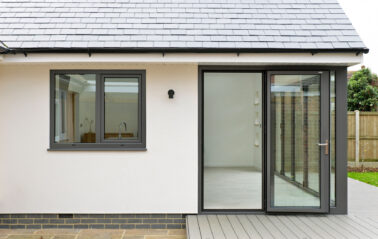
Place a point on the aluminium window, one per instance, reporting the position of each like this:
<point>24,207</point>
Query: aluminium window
<point>97,110</point>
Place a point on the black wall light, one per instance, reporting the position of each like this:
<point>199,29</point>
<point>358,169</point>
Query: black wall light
<point>171,93</point>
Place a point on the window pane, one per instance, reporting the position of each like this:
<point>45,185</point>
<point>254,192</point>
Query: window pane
<point>232,136</point>
<point>333,141</point>
<point>295,124</point>
<point>75,108</point>
<point>121,108</point>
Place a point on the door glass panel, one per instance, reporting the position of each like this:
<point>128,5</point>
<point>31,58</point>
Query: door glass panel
<point>121,108</point>
<point>75,108</point>
<point>295,133</point>
<point>232,150</point>
<point>332,147</point>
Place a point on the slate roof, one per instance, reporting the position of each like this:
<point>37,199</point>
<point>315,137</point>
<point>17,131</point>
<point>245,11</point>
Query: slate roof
<point>177,24</point>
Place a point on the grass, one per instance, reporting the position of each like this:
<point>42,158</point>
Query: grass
<point>366,177</point>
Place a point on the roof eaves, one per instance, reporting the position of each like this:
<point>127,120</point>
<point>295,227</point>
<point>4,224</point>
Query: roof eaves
<point>183,50</point>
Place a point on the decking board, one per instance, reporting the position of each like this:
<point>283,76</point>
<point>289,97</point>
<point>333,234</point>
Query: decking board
<point>318,229</point>
<point>273,226</point>
<point>238,227</point>
<point>248,227</point>
<point>360,227</point>
<point>216,227</point>
<point>204,227</point>
<point>193,229</point>
<point>349,228</point>
<point>227,227</point>
<point>287,231</point>
<point>303,227</point>
<point>340,229</point>
<point>264,232</point>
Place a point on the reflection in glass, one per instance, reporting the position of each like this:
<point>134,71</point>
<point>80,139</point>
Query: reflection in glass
<point>295,122</point>
<point>75,99</point>
<point>232,153</point>
<point>121,108</point>
<point>332,155</point>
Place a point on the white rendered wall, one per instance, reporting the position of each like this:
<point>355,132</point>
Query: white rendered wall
<point>232,114</point>
<point>161,180</point>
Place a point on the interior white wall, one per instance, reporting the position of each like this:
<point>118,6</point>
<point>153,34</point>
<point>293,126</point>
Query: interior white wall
<point>86,116</point>
<point>117,117</point>
<point>162,179</point>
<point>232,118</point>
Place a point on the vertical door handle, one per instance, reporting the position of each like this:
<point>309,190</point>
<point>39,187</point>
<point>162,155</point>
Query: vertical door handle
<point>324,145</point>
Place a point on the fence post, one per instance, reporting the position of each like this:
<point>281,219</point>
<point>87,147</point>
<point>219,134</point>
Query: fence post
<point>357,146</point>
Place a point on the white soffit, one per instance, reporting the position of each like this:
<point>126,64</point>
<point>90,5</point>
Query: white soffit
<point>347,59</point>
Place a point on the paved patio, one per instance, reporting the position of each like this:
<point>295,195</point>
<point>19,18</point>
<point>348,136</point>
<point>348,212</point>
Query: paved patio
<point>362,199</point>
<point>93,234</point>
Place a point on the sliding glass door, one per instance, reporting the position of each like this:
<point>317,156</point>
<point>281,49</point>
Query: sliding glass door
<point>298,131</point>
<point>232,141</point>
<point>264,149</point>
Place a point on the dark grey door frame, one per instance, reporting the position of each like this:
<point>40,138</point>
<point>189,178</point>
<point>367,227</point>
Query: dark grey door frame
<point>324,135</point>
<point>341,149</point>
<point>229,69</point>
<point>341,126</point>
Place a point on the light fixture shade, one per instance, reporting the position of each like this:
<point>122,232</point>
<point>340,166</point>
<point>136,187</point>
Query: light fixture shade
<point>171,93</point>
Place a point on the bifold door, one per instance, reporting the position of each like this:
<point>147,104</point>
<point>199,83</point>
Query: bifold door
<point>298,134</point>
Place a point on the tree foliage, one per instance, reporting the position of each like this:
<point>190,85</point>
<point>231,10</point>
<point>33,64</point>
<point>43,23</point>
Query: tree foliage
<point>362,93</point>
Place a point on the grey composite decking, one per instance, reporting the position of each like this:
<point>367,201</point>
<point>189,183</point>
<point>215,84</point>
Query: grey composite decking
<point>361,222</point>
<point>281,226</point>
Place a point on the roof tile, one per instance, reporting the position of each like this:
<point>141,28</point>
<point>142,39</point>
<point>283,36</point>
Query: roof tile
<point>180,24</point>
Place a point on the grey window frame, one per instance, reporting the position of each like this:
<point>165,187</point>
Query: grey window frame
<point>101,144</point>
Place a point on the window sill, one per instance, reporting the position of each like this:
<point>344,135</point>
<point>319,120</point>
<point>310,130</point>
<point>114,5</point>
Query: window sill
<point>97,149</point>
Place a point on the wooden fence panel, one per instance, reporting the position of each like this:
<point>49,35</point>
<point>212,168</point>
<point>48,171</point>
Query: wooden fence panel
<point>368,136</point>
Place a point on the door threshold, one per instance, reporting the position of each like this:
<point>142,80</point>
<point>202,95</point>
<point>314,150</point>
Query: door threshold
<point>256,212</point>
